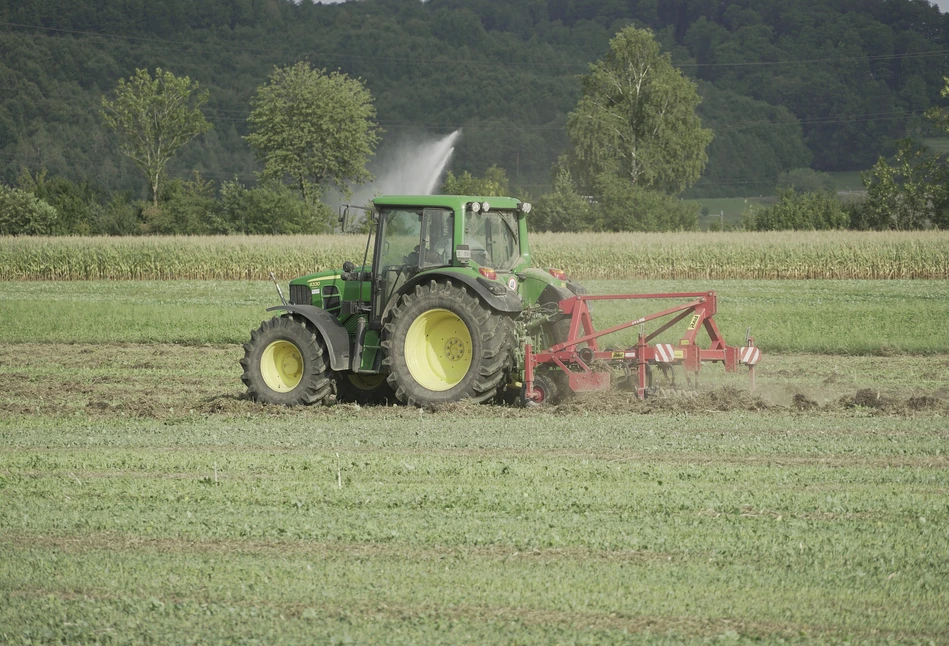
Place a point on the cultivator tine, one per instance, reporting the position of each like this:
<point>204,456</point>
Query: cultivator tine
<point>749,355</point>
<point>642,363</point>
<point>584,367</point>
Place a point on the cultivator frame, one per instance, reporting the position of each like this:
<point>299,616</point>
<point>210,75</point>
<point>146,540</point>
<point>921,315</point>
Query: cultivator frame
<point>582,366</point>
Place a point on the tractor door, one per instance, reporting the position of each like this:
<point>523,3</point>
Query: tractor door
<point>409,240</point>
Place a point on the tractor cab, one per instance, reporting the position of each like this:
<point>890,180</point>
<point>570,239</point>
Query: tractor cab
<point>466,238</point>
<point>493,238</point>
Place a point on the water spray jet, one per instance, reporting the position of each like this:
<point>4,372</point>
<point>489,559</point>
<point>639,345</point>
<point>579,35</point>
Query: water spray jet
<point>409,166</point>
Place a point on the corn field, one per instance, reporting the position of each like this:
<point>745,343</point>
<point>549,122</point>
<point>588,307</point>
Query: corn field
<point>745,255</point>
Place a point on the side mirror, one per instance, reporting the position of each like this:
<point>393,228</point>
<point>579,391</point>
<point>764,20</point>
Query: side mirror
<point>358,222</point>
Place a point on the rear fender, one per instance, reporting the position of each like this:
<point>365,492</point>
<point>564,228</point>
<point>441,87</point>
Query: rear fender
<point>334,334</point>
<point>508,302</point>
<point>539,286</point>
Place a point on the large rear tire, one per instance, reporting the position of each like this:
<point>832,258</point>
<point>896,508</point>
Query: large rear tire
<point>444,345</point>
<point>284,364</point>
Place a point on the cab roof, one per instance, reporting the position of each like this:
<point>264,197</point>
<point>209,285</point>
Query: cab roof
<point>456,202</point>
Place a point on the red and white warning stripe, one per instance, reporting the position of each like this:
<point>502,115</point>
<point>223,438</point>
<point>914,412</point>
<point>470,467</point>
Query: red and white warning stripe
<point>664,353</point>
<point>749,355</point>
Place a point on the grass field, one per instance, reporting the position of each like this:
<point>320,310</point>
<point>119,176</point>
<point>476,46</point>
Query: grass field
<point>725,210</point>
<point>938,145</point>
<point>834,317</point>
<point>143,500</point>
<point>849,180</point>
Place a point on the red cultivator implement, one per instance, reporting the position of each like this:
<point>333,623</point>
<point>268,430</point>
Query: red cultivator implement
<point>580,365</point>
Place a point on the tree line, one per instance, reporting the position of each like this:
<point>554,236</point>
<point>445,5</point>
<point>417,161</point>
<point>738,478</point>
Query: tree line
<point>635,143</point>
<point>784,84</point>
<point>623,158</point>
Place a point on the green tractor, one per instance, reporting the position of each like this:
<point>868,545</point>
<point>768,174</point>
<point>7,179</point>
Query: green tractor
<point>432,319</point>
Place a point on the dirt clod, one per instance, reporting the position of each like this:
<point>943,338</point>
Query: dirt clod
<point>924,402</point>
<point>801,402</point>
<point>866,398</point>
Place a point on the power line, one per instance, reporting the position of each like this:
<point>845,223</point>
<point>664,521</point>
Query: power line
<point>896,115</point>
<point>855,118</point>
<point>841,59</point>
<point>442,61</point>
<point>269,50</point>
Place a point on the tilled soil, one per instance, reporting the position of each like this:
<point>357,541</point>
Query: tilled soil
<point>165,381</point>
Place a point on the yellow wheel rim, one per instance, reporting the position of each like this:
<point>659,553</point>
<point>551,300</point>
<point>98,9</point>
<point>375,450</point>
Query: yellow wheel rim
<point>281,366</point>
<point>438,349</point>
<point>365,382</point>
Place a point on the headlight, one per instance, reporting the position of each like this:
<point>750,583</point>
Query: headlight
<point>485,206</point>
<point>475,207</point>
<point>525,207</point>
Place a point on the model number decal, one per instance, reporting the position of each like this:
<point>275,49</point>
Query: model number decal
<point>694,322</point>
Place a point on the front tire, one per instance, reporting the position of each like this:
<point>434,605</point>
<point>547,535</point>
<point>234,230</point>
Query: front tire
<point>443,345</point>
<point>285,364</point>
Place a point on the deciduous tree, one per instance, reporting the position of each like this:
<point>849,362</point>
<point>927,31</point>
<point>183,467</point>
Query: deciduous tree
<point>799,211</point>
<point>910,192</point>
<point>22,213</point>
<point>494,182</point>
<point>154,117</point>
<point>313,129</point>
<point>564,209</point>
<point>636,119</point>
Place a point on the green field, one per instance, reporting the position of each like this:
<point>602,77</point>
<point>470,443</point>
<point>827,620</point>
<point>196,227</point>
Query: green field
<point>849,180</point>
<point>834,317</point>
<point>938,145</point>
<point>143,500</point>
<point>725,209</point>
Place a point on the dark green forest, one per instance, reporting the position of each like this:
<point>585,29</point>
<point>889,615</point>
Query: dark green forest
<point>826,84</point>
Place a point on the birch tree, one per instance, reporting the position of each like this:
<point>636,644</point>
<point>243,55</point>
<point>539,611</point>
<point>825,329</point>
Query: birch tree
<point>154,117</point>
<point>636,119</point>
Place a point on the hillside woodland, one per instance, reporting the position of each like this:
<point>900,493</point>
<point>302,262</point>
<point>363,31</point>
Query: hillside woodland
<point>831,85</point>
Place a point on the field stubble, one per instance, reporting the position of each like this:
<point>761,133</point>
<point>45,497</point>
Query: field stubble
<point>143,499</point>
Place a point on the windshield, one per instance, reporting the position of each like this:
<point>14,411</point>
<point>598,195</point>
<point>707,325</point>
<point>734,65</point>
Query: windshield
<point>492,238</point>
